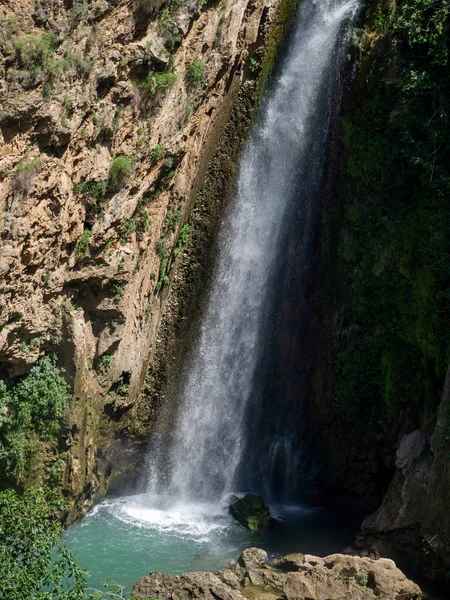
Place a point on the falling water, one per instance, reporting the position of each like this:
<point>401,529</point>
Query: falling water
<point>217,439</point>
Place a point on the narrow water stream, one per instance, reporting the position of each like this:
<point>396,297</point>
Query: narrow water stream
<point>238,423</point>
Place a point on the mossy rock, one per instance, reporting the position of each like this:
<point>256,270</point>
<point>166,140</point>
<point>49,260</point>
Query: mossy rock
<point>251,512</point>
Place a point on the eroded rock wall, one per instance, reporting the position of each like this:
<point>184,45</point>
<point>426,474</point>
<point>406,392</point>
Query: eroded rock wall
<point>90,246</point>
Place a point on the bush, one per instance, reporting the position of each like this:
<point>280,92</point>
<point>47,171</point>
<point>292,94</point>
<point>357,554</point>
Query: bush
<point>196,73</point>
<point>156,80</point>
<point>34,51</point>
<point>32,406</point>
<point>119,171</point>
<point>34,565</point>
<point>25,175</point>
<point>83,243</point>
<point>158,152</point>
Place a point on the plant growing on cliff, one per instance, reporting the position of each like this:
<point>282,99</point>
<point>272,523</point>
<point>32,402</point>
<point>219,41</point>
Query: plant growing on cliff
<point>83,243</point>
<point>119,171</point>
<point>25,175</point>
<point>155,82</point>
<point>182,240</point>
<point>196,73</point>
<point>103,363</point>
<point>33,51</point>
<point>29,409</point>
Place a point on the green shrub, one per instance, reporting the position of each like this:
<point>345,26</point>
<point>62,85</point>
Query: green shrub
<point>34,51</point>
<point>119,171</point>
<point>158,152</point>
<point>196,73</point>
<point>155,81</point>
<point>34,405</point>
<point>161,249</point>
<point>182,239</point>
<point>171,220</point>
<point>83,243</point>
<point>25,175</point>
<point>103,363</point>
<point>95,189</point>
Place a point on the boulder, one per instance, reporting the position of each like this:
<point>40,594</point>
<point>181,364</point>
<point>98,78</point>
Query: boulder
<point>351,577</point>
<point>251,512</point>
<point>201,586</point>
<point>290,562</point>
<point>253,558</point>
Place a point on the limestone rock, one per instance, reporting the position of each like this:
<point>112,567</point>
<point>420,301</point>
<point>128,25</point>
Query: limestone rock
<point>335,577</point>
<point>251,512</point>
<point>290,562</point>
<point>201,586</point>
<point>253,558</point>
<point>350,577</point>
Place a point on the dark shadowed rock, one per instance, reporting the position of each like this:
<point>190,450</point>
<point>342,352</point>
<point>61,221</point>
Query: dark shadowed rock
<point>251,512</point>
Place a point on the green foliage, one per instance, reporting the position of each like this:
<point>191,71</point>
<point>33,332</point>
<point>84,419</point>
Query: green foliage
<point>83,243</point>
<point>30,537</point>
<point>182,239</point>
<point>26,171</point>
<point>118,286</point>
<point>119,171</point>
<point>34,565</point>
<point>34,51</point>
<point>95,190</point>
<point>171,220</point>
<point>156,81</point>
<point>103,363</point>
<point>161,249</point>
<point>32,407</point>
<point>394,257</point>
<point>158,152</point>
<point>196,73</point>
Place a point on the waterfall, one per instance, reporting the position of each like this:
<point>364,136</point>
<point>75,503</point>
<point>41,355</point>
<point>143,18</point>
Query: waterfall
<point>228,435</point>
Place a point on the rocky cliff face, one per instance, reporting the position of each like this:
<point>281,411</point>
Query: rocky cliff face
<point>110,113</point>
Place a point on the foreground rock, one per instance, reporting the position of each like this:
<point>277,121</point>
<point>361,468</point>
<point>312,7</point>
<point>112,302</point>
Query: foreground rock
<point>304,577</point>
<point>251,512</point>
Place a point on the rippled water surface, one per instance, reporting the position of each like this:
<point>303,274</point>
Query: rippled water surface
<point>123,539</point>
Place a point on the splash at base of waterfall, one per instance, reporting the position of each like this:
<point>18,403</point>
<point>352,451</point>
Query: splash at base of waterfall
<point>125,538</point>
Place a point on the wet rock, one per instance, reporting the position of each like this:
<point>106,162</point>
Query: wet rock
<point>411,447</point>
<point>201,586</point>
<point>290,562</point>
<point>253,558</point>
<point>251,512</point>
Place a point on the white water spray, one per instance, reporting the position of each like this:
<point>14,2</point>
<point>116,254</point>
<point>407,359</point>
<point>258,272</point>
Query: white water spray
<point>205,452</point>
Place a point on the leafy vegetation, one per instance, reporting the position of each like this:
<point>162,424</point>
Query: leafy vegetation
<point>34,564</point>
<point>119,171</point>
<point>157,81</point>
<point>83,243</point>
<point>103,363</point>
<point>26,171</point>
<point>30,410</point>
<point>196,73</point>
<point>393,269</point>
<point>182,240</point>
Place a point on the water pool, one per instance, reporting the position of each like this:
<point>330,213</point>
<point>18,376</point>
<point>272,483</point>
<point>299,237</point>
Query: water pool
<point>125,538</point>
